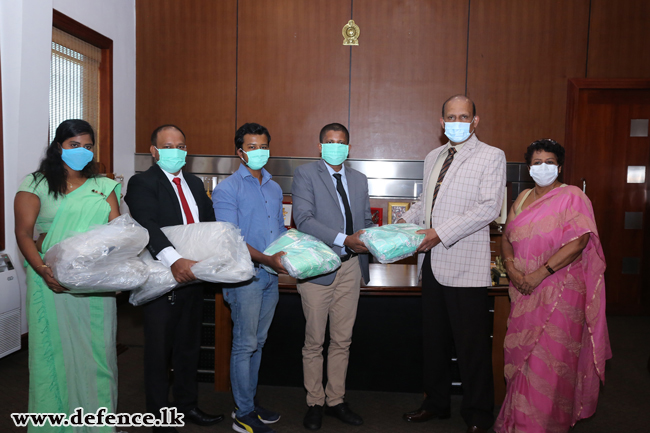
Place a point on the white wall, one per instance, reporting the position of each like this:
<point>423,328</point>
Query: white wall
<point>25,43</point>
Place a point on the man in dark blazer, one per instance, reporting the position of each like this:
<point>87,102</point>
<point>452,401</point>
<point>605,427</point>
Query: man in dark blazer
<point>331,202</point>
<point>165,196</point>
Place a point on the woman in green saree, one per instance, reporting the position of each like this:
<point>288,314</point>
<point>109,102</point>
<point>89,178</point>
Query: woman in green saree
<point>72,359</point>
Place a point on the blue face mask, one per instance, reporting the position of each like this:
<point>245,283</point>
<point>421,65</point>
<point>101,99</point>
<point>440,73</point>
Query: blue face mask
<point>77,158</point>
<point>458,131</point>
<point>171,160</point>
<point>334,153</point>
<point>257,158</point>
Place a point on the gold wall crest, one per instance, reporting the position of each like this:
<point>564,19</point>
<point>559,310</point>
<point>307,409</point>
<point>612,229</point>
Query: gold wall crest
<point>351,33</point>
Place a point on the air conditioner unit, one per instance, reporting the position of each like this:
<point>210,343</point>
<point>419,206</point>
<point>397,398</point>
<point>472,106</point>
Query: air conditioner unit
<point>9,307</point>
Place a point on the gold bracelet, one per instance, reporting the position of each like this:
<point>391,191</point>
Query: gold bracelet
<point>43,266</point>
<point>509,259</point>
<point>549,269</point>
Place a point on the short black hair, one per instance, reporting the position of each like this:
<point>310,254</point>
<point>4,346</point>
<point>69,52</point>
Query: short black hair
<point>334,127</point>
<point>547,145</point>
<point>252,129</point>
<point>154,134</point>
<point>458,96</point>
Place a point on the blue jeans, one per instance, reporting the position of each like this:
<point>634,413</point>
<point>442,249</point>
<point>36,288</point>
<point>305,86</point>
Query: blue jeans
<point>252,306</point>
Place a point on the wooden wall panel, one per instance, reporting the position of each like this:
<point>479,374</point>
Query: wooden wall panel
<point>186,71</point>
<point>619,39</point>
<point>411,57</point>
<point>293,71</point>
<point>520,56</point>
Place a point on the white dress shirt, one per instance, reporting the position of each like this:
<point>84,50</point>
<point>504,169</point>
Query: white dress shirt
<point>340,238</point>
<point>168,256</point>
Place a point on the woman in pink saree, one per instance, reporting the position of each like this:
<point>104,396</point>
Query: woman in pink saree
<point>557,340</point>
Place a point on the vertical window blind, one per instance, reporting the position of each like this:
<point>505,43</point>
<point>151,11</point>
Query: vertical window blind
<point>74,82</point>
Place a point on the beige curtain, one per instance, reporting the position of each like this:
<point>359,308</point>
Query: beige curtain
<point>74,82</point>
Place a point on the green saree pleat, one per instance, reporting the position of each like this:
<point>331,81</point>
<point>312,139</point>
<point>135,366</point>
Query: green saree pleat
<point>72,358</point>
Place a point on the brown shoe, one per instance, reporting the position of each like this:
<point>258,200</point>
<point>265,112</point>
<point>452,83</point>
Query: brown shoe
<point>476,429</point>
<point>422,415</point>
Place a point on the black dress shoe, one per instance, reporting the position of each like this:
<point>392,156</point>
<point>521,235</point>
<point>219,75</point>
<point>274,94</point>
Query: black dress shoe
<point>314,418</point>
<point>422,415</point>
<point>197,416</point>
<point>343,412</point>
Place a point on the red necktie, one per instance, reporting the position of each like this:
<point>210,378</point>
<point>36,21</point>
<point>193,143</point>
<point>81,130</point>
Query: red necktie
<point>186,207</point>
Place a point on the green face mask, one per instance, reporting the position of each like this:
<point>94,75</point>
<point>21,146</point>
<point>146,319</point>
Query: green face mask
<point>257,158</point>
<point>171,160</point>
<point>334,153</point>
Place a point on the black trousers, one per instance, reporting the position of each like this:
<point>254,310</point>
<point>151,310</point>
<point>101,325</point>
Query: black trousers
<point>172,339</point>
<point>460,316</point>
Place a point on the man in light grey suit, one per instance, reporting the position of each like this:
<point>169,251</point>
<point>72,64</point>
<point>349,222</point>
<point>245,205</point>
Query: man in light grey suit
<point>331,202</point>
<point>463,187</point>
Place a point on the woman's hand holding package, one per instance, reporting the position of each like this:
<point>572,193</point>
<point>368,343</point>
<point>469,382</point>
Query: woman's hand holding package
<point>46,273</point>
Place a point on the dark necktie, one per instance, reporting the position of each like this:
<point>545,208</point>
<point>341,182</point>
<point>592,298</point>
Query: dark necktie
<point>186,207</point>
<point>441,176</point>
<point>346,205</point>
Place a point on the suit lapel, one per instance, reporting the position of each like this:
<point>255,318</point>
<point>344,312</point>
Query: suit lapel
<point>427,175</point>
<point>196,193</point>
<point>327,180</point>
<point>166,185</point>
<point>464,153</point>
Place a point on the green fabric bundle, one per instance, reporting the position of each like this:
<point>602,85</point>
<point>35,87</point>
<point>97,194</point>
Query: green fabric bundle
<point>305,256</point>
<point>392,242</point>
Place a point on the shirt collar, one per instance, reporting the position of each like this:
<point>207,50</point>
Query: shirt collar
<point>332,172</point>
<point>458,147</point>
<point>243,172</point>
<point>171,176</point>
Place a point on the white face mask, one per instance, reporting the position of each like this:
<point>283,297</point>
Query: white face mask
<point>544,174</point>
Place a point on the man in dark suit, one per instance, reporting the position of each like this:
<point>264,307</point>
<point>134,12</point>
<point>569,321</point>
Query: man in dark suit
<point>331,202</point>
<point>165,196</point>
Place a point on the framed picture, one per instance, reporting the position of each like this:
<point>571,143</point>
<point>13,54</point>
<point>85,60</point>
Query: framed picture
<point>377,214</point>
<point>287,213</point>
<point>396,210</point>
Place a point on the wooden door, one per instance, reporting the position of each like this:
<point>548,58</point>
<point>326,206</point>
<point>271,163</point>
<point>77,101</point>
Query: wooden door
<point>608,151</point>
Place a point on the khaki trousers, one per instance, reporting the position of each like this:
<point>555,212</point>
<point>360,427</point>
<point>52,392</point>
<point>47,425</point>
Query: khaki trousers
<point>338,301</point>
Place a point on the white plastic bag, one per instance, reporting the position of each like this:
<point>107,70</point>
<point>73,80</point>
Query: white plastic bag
<point>218,247</point>
<point>104,259</point>
<point>305,256</point>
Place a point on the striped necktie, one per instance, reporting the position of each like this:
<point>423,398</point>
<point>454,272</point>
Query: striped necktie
<point>441,176</point>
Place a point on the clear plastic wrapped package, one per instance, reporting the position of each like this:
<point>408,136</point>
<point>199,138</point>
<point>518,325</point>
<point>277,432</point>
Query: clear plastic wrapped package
<point>306,256</point>
<point>392,242</point>
<point>104,259</point>
<point>218,247</point>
